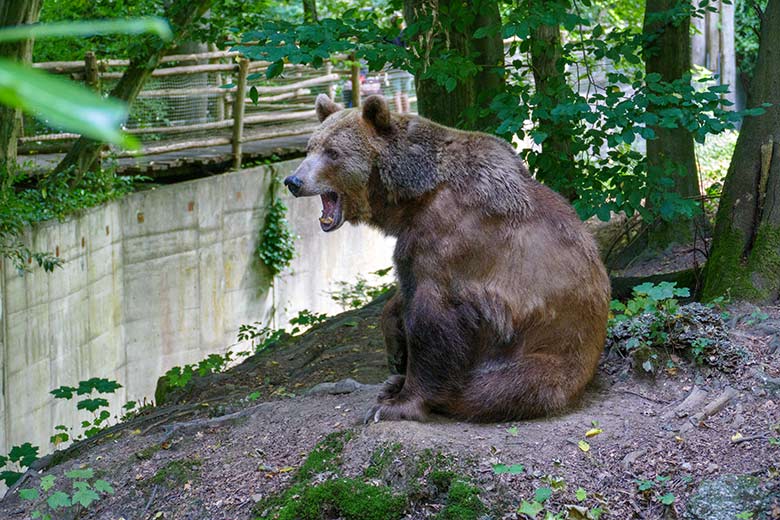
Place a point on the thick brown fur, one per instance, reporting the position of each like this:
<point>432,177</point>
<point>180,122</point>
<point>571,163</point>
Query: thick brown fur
<point>502,301</point>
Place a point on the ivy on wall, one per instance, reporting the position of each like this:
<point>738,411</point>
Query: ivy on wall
<point>277,241</point>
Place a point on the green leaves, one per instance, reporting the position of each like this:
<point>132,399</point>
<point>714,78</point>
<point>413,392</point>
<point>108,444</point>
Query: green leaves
<point>277,242</point>
<point>91,404</point>
<point>30,494</point>
<point>24,454</point>
<point>542,494</point>
<point>58,499</point>
<point>274,69</point>
<point>530,508</point>
<point>84,494</point>
<point>512,469</point>
<point>103,487</point>
<point>47,481</point>
<point>63,392</point>
<point>100,385</point>
<point>140,25</point>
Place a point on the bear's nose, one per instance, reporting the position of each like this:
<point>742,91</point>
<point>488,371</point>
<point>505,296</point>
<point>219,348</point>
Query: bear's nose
<point>294,184</point>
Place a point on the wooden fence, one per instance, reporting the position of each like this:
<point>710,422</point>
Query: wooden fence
<point>282,107</point>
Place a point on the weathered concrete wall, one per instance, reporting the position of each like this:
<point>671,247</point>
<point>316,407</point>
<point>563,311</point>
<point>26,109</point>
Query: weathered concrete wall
<point>159,279</point>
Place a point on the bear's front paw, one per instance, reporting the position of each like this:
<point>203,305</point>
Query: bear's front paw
<point>392,387</point>
<point>405,411</point>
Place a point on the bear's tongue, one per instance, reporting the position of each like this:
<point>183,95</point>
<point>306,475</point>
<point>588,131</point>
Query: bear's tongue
<point>331,211</point>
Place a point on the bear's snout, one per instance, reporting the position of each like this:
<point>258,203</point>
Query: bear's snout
<point>294,184</point>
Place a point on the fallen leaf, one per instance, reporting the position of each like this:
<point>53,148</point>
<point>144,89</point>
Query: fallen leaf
<point>584,446</point>
<point>593,432</point>
<point>530,508</point>
<point>737,436</point>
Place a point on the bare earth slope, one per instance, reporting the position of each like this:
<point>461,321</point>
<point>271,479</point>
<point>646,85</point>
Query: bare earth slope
<point>212,453</point>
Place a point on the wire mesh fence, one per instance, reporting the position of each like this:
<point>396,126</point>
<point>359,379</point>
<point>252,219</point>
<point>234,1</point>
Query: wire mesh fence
<point>190,100</point>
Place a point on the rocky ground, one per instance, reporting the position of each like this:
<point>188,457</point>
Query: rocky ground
<point>692,442</point>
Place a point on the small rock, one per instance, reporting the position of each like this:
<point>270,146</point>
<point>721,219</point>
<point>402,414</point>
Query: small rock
<point>340,387</point>
<point>727,496</point>
<point>686,466</point>
<point>257,497</point>
<point>712,468</point>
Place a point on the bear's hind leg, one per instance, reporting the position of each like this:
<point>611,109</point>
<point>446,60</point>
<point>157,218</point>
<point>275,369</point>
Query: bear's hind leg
<point>534,385</point>
<point>395,338</point>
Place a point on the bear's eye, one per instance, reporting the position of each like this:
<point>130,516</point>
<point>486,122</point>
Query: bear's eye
<point>331,153</point>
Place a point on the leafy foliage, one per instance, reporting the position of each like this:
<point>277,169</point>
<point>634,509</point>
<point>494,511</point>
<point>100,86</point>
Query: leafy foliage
<point>98,406</point>
<point>52,503</point>
<point>599,120</point>
<point>224,15</point>
<point>352,295</point>
<point>18,458</point>
<point>652,325</point>
<point>277,242</point>
<point>746,26</point>
<point>649,298</point>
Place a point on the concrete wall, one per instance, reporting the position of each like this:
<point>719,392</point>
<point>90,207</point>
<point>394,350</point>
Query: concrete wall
<point>162,278</point>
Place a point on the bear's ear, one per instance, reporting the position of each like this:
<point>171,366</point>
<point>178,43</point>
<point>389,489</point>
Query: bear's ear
<point>325,107</point>
<point>376,112</point>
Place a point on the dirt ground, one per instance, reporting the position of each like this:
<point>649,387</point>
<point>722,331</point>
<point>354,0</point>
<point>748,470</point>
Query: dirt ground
<point>216,453</point>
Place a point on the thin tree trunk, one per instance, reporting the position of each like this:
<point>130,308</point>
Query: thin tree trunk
<point>550,81</point>
<point>181,14</point>
<point>14,12</point>
<point>668,53</point>
<point>744,259</point>
<point>310,11</point>
<point>433,100</point>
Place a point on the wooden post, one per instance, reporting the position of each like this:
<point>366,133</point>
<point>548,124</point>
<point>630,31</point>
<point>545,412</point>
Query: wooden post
<point>91,73</point>
<point>355,81</point>
<point>331,85</point>
<point>238,111</point>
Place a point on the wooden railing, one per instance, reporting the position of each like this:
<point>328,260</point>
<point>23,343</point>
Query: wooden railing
<point>287,105</point>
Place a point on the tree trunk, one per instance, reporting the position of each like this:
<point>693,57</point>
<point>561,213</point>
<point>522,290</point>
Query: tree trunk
<point>744,260</point>
<point>473,93</point>
<point>550,81</point>
<point>14,12</point>
<point>668,53</point>
<point>181,14</point>
<point>309,11</point>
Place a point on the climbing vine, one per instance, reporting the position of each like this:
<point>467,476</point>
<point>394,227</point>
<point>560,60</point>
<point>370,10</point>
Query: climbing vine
<point>277,241</point>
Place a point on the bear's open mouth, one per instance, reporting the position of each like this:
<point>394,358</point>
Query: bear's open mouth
<point>332,216</point>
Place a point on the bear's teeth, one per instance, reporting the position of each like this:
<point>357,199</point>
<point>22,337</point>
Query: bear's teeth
<point>326,220</point>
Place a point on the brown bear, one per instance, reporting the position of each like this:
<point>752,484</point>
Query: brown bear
<point>502,299</point>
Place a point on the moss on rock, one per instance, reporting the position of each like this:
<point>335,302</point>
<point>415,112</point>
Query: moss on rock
<point>324,457</point>
<point>351,499</point>
<point>463,502</point>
